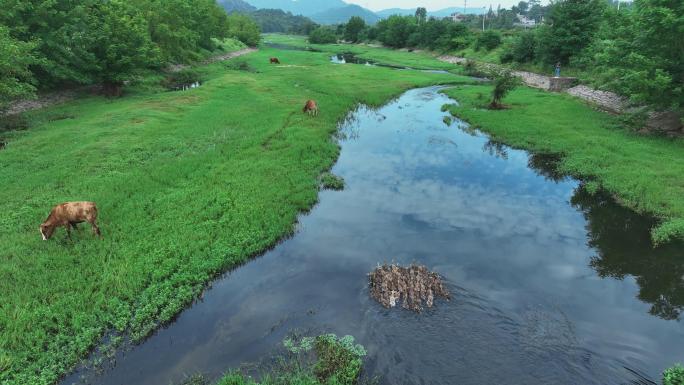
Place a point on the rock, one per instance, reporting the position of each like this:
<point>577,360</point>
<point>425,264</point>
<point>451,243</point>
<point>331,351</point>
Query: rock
<point>667,122</point>
<point>412,286</point>
<point>561,83</point>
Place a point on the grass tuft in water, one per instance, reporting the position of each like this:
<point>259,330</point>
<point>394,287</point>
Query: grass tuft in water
<point>331,181</point>
<point>674,375</point>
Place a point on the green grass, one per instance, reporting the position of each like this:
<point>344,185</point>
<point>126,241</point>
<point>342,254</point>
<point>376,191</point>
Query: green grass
<point>338,361</point>
<point>188,185</point>
<point>645,173</point>
<point>674,375</point>
<point>418,60</point>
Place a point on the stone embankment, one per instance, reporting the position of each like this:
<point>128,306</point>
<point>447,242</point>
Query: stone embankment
<point>667,122</point>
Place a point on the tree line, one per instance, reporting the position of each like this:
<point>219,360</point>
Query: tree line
<point>47,44</point>
<point>636,49</point>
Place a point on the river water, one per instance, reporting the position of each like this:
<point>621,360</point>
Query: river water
<point>550,285</point>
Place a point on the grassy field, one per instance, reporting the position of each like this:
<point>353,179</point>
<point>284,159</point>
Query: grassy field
<point>188,185</point>
<point>645,173</point>
<point>419,60</point>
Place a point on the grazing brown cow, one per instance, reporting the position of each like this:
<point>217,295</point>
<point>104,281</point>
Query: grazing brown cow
<point>69,215</point>
<point>274,60</point>
<point>311,108</point>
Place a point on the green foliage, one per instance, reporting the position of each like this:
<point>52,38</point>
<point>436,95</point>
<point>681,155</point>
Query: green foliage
<point>353,29</point>
<point>396,30</point>
<point>323,35</point>
<point>277,20</point>
<point>182,77</point>
<point>244,29</point>
<point>187,184</point>
<point>623,163</point>
<point>15,76</point>
<point>122,45</point>
<point>332,181</point>
<point>488,40</point>
<point>674,376</point>
<point>640,53</point>
<point>339,359</point>
<point>572,27</point>
<point>522,49</point>
<point>504,82</point>
<point>305,344</point>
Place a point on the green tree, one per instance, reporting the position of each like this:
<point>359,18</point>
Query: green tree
<point>60,30</point>
<point>640,53</point>
<point>488,40</point>
<point>395,30</point>
<point>15,76</point>
<point>504,82</point>
<point>122,45</point>
<point>323,35</point>
<point>353,29</point>
<point>573,25</point>
<point>421,15</point>
<point>244,29</point>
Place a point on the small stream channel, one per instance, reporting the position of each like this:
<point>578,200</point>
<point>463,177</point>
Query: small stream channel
<point>550,284</point>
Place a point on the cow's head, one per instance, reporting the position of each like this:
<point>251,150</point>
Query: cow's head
<point>46,231</point>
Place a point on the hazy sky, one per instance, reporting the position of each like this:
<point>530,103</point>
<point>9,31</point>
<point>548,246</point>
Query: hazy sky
<point>431,5</point>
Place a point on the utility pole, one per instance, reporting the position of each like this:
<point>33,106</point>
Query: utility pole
<point>484,14</point>
<point>465,5</point>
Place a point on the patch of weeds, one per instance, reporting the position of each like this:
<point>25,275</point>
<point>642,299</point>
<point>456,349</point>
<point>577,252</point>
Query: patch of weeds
<point>181,79</point>
<point>447,120</point>
<point>60,116</point>
<point>331,181</point>
<point>471,68</point>
<point>3,143</point>
<point>296,346</point>
<point>339,359</point>
<point>16,122</point>
<point>196,379</point>
<point>240,65</point>
<point>592,187</point>
<point>674,375</point>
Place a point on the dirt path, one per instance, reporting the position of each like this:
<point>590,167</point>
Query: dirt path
<point>59,97</point>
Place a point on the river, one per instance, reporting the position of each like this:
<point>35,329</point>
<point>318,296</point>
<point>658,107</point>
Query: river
<point>550,284</point>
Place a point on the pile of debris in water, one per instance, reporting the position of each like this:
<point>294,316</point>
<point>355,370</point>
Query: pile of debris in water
<point>413,285</point>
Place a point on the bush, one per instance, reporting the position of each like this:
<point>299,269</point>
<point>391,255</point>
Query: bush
<point>182,77</point>
<point>339,360</point>
<point>674,375</point>
<point>504,82</point>
<point>488,40</point>
<point>322,35</point>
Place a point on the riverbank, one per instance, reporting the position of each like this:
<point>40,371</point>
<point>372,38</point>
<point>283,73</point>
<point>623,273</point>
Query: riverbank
<point>644,173</point>
<point>188,184</point>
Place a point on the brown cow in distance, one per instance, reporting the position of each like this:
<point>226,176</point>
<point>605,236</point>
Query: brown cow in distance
<point>69,215</point>
<point>311,108</point>
<point>274,60</point>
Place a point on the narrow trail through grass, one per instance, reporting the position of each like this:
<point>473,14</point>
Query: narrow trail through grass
<point>188,185</point>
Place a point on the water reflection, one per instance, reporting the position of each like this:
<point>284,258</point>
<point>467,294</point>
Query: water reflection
<point>527,307</point>
<point>621,240</point>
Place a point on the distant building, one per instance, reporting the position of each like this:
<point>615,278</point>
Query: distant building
<point>523,21</point>
<point>457,17</point>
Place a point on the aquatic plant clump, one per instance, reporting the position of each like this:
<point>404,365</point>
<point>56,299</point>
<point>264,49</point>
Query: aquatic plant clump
<point>674,375</point>
<point>412,286</point>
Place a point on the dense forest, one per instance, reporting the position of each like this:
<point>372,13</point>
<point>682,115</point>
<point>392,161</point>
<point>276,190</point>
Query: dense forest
<point>276,20</point>
<point>635,50</point>
<point>47,44</point>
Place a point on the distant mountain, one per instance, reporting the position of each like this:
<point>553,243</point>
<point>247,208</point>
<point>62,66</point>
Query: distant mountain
<point>299,7</point>
<point>385,13</point>
<point>342,15</point>
<point>236,6</point>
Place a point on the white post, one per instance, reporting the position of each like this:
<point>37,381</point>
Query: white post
<point>483,18</point>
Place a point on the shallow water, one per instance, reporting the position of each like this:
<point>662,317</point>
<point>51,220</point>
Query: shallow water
<point>550,285</point>
<point>350,58</point>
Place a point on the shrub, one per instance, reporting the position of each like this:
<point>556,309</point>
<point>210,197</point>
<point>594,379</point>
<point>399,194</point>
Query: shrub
<point>322,35</point>
<point>182,77</point>
<point>674,375</point>
<point>339,359</point>
<point>488,40</point>
<point>504,82</point>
